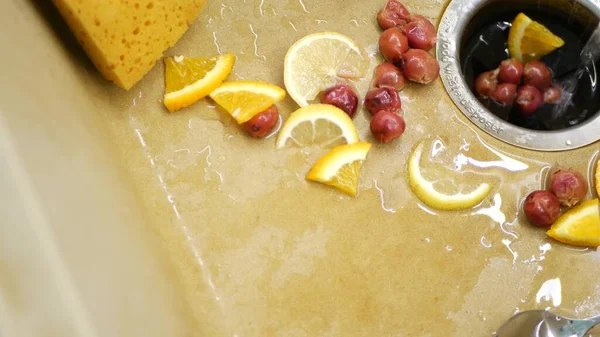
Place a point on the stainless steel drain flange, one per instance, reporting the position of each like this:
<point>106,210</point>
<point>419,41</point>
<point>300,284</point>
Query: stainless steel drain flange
<point>452,31</point>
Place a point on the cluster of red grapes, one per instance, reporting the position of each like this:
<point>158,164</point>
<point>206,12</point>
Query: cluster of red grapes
<point>404,44</point>
<point>529,85</point>
<point>567,188</point>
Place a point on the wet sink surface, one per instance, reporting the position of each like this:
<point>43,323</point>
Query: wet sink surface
<point>262,252</point>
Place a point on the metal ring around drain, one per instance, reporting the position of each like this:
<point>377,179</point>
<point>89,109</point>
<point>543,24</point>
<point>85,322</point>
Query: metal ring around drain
<point>452,27</point>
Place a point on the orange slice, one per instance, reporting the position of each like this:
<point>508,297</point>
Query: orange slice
<point>340,168</point>
<point>580,226</point>
<point>529,40</point>
<point>189,79</point>
<point>597,178</point>
<point>244,99</point>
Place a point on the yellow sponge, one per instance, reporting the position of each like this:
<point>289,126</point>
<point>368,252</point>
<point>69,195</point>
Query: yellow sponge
<point>125,38</point>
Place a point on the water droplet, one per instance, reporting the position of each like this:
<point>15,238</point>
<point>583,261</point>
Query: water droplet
<point>551,290</point>
<point>485,242</point>
<point>382,199</point>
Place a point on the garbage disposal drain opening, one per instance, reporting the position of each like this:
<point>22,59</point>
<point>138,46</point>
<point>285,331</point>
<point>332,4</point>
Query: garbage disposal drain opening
<point>473,37</point>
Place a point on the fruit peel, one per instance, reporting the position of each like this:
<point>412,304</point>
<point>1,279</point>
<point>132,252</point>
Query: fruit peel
<point>426,192</point>
<point>580,226</point>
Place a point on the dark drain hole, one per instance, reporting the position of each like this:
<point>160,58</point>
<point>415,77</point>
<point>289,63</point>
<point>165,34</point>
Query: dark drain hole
<point>484,46</point>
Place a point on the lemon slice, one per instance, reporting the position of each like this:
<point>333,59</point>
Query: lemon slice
<point>529,40</point>
<point>244,99</point>
<point>340,167</point>
<point>318,124</point>
<point>580,226</point>
<point>189,79</point>
<point>318,61</point>
<point>427,193</point>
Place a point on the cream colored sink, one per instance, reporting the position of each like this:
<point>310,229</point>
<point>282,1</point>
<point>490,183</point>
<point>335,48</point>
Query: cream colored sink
<point>120,219</point>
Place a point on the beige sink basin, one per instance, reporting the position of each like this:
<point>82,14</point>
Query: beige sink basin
<point>121,219</point>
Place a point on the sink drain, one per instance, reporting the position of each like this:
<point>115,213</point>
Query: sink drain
<point>459,22</point>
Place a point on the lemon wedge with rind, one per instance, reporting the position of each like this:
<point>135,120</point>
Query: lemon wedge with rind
<point>340,167</point>
<point>317,124</point>
<point>318,61</point>
<point>245,99</point>
<point>427,193</point>
<point>529,40</point>
<point>191,79</point>
<point>580,226</point>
